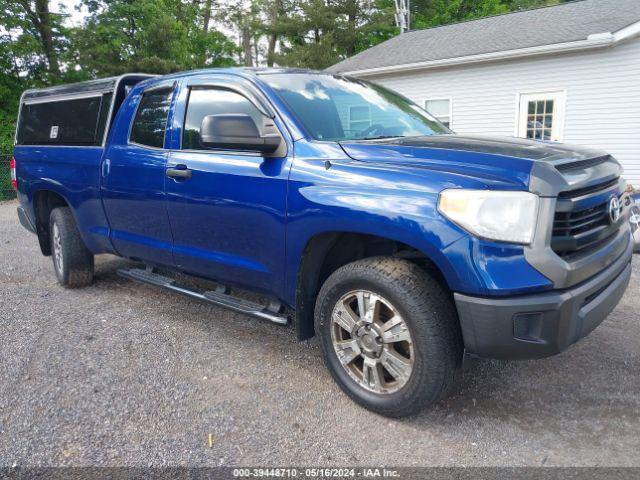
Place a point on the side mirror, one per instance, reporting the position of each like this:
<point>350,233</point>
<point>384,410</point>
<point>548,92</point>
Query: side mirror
<point>235,131</point>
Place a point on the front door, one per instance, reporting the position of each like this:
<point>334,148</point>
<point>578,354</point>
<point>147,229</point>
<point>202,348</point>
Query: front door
<point>228,217</point>
<point>541,116</point>
<point>133,178</point>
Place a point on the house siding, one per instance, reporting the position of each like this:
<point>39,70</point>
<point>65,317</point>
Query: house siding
<point>602,96</point>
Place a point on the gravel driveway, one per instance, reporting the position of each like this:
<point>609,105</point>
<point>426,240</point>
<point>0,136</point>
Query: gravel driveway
<point>126,374</point>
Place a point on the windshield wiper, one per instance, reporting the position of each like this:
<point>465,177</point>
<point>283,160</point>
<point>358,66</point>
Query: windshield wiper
<point>380,137</point>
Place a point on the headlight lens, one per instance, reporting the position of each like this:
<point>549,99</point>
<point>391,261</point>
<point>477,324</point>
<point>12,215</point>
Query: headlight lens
<point>497,215</point>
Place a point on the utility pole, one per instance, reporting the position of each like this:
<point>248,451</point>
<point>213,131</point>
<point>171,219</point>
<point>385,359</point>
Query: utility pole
<point>402,15</point>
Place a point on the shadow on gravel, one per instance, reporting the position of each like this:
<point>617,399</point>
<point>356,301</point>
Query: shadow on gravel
<point>585,382</point>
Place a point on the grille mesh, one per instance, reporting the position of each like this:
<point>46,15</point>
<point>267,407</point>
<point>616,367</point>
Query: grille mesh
<point>579,229</point>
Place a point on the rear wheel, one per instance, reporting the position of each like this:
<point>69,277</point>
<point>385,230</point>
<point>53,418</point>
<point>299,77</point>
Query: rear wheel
<point>72,261</point>
<point>389,334</point>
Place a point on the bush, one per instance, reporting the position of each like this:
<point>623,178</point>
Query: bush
<point>7,131</point>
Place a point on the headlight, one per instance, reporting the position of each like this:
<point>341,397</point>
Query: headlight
<point>497,215</point>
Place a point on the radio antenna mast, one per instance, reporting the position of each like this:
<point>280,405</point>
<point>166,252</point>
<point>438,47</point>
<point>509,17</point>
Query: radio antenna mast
<point>402,15</point>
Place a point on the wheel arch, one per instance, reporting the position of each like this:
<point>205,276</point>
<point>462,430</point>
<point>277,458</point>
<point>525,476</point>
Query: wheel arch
<point>44,201</point>
<point>325,252</point>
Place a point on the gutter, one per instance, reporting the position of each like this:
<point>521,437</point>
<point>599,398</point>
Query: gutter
<point>597,40</point>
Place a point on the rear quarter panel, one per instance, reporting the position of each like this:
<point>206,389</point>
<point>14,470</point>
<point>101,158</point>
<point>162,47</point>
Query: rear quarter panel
<point>74,174</point>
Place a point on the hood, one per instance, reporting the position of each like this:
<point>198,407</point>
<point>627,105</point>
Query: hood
<point>494,158</point>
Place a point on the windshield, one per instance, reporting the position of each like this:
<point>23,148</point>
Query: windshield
<point>338,108</point>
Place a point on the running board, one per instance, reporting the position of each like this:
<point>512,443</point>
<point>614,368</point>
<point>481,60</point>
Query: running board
<point>218,297</point>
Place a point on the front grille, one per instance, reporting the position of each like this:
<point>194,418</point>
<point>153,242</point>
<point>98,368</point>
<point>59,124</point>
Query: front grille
<point>579,192</point>
<point>582,222</point>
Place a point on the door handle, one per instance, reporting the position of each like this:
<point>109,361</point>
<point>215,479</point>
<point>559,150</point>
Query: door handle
<point>106,167</point>
<point>180,171</point>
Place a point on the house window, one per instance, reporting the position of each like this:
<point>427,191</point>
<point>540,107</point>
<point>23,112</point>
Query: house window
<point>359,118</point>
<point>441,109</point>
<point>541,116</point>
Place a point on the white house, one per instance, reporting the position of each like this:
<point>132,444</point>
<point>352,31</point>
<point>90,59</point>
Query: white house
<point>567,73</point>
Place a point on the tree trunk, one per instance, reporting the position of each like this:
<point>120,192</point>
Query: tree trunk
<point>274,14</point>
<point>351,19</point>
<point>246,44</point>
<point>207,16</point>
<point>256,52</point>
<point>41,21</point>
<point>271,49</point>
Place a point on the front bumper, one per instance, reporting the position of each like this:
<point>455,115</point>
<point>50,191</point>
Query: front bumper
<point>540,325</point>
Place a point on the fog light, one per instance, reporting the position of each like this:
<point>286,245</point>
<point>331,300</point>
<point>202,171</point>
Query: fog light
<point>528,327</point>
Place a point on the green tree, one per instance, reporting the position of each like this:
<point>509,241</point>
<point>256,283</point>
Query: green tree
<point>33,52</point>
<point>431,13</point>
<point>156,36</point>
<point>318,33</point>
<point>36,35</point>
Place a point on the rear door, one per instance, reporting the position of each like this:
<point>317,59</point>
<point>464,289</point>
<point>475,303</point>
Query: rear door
<point>228,217</point>
<point>133,176</point>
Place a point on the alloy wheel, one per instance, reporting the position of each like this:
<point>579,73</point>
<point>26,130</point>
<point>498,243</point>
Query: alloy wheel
<point>57,248</point>
<point>372,341</point>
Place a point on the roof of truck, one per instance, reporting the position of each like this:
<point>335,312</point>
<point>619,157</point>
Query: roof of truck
<point>108,84</point>
<point>103,85</point>
<point>243,71</point>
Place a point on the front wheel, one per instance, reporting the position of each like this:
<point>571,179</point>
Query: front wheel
<point>389,334</point>
<point>72,261</point>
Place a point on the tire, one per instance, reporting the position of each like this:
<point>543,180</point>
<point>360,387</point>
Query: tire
<point>72,262</point>
<point>400,290</point>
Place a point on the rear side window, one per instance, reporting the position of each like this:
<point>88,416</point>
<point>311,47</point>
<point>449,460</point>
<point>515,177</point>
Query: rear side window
<point>213,101</point>
<point>150,122</point>
<point>78,121</point>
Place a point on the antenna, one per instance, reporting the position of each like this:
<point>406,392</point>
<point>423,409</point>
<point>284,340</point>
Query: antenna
<point>402,15</point>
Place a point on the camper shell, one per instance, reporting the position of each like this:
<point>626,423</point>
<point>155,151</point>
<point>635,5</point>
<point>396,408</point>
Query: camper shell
<point>77,114</point>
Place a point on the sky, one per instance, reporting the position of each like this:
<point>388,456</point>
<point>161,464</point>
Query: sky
<point>75,17</point>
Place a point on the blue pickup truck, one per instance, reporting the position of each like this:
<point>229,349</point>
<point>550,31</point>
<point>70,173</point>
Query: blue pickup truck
<point>351,211</point>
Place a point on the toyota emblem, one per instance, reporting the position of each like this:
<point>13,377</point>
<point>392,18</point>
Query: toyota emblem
<point>614,209</point>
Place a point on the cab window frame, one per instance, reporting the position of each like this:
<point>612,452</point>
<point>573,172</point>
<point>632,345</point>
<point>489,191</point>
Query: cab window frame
<point>171,89</point>
<point>222,87</point>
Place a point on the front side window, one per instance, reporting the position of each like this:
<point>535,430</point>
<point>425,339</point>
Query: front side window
<point>150,123</point>
<point>213,101</point>
<point>338,108</point>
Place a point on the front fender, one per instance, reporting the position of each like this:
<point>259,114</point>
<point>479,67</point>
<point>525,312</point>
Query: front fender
<point>399,204</point>
<point>348,196</point>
